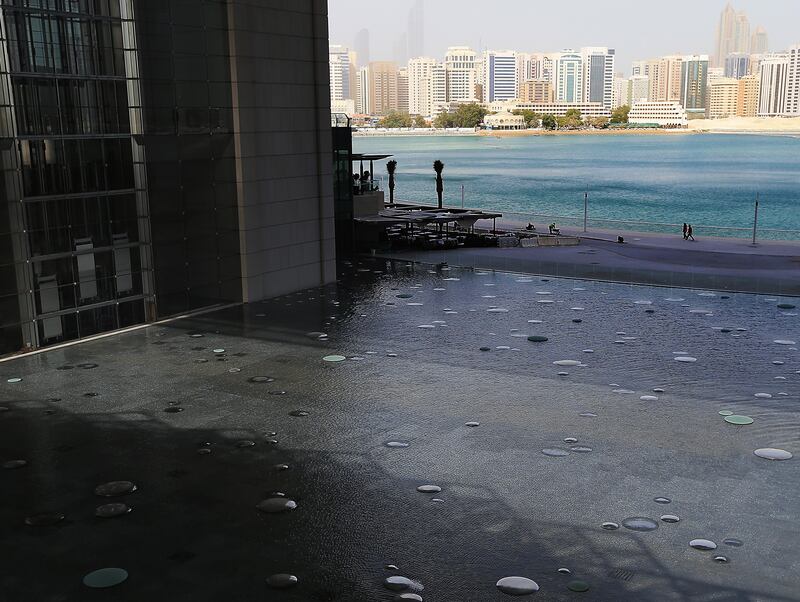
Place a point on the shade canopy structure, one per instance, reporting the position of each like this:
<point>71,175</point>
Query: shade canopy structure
<point>361,157</point>
<point>422,215</point>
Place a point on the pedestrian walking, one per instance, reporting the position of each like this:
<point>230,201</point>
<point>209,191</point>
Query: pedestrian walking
<point>685,229</point>
<point>689,233</point>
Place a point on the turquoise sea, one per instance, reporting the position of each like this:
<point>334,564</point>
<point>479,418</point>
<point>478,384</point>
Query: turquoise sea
<point>707,180</point>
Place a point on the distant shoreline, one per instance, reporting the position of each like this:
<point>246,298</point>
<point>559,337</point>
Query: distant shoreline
<point>525,133</point>
<point>753,126</point>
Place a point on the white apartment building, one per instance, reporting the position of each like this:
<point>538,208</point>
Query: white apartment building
<point>640,68</point>
<point>438,89</point>
<point>342,65</point>
<point>541,66</point>
<point>639,89</point>
<point>501,75</point>
<point>362,99</point>
<point>773,93</point>
<point>668,114</point>
<point>598,64</point>
<point>420,86</point>
<point>793,83</point>
<point>568,77</point>
<point>621,85</point>
<point>347,106</point>
<point>460,63</point>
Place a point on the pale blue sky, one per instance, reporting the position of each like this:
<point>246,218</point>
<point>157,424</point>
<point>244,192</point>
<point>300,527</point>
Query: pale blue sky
<point>638,29</point>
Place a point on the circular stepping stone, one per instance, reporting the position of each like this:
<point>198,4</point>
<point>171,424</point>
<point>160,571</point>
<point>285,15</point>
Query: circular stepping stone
<point>112,510</point>
<point>739,420</point>
<point>517,586</point>
<point>275,505</point>
<point>103,578</point>
<point>578,586</point>
<point>771,453</point>
<point>281,581</point>
<point>115,488</point>
<point>45,519</point>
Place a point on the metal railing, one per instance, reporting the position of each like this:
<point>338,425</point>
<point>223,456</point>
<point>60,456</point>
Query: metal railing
<point>457,195</point>
<point>577,222</point>
<point>340,120</point>
<point>371,185</point>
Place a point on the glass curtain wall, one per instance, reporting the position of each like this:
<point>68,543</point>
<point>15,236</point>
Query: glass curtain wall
<point>75,205</point>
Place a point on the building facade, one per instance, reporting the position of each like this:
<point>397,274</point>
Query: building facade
<point>621,85</point>
<point>737,65</point>
<point>133,185</point>
<point>639,89</point>
<point>462,74</point>
<point>747,96</point>
<point>383,85</point>
<point>342,73</point>
<point>402,90</point>
<point>500,75</point>
<point>665,114</point>
<point>362,99</point>
<point>793,82</point>
<point>665,78</point>
<point>773,87</point>
<point>598,75</point>
<point>733,35</point>
<point>723,97</point>
<point>568,77</point>
<point>759,41</point>
<point>420,86</point>
<point>559,109</point>
<point>361,48</point>
<point>537,92</point>
<point>504,120</point>
<point>694,83</point>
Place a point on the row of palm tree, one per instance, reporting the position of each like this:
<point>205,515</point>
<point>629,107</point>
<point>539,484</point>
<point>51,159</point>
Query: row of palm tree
<point>438,167</point>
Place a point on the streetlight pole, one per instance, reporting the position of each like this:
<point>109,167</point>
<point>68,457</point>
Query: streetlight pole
<point>755,221</point>
<point>462,196</point>
<point>585,209</point>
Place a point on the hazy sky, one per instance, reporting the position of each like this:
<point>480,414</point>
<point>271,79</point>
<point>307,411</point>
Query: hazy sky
<point>638,29</point>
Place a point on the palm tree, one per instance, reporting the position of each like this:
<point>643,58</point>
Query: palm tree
<point>438,166</point>
<point>391,166</point>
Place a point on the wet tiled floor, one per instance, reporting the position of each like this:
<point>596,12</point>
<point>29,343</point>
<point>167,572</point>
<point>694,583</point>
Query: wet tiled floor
<point>630,424</point>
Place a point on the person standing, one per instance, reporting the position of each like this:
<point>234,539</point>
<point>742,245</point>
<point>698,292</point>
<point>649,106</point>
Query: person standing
<point>685,229</point>
<point>689,233</point>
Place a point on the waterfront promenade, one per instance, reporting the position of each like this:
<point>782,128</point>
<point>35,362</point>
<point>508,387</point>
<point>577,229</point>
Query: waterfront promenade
<point>709,263</point>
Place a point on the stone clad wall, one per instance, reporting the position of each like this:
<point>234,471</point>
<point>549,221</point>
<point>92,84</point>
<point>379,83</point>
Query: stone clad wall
<point>281,100</point>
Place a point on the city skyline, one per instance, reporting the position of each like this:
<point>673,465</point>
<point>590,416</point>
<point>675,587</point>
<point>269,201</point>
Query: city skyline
<point>469,24</point>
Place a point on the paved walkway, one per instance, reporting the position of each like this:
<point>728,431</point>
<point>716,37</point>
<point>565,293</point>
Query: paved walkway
<point>709,263</point>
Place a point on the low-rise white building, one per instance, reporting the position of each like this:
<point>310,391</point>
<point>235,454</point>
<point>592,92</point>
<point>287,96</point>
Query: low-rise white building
<point>668,114</point>
<point>559,109</point>
<point>504,121</point>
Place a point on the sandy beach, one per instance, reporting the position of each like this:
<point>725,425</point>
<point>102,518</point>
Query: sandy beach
<point>626,132</point>
<point>747,125</point>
